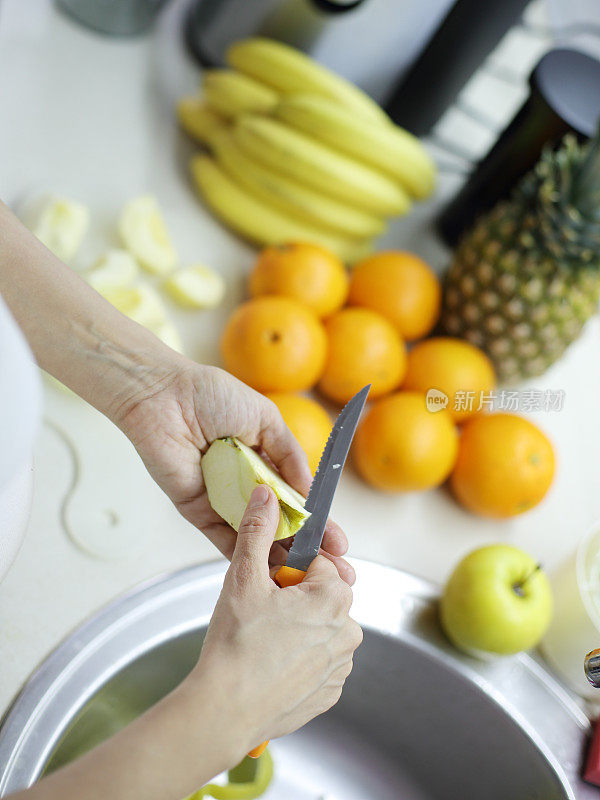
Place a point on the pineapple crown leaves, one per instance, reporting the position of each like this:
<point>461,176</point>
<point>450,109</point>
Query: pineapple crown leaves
<point>560,200</point>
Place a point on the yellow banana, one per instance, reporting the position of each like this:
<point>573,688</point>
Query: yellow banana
<point>231,93</point>
<point>388,148</point>
<point>256,220</point>
<point>298,156</point>
<point>197,120</point>
<point>292,197</point>
<point>290,72</point>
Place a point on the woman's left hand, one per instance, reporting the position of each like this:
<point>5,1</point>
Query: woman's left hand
<point>175,421</point>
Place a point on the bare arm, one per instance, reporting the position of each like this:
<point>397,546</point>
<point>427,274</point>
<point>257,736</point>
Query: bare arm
<point>76,335</point>
<point>272,660</point>
<point>170,407</point>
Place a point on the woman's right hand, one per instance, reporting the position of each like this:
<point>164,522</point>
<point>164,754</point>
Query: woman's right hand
<point>272,660</point>
<point>276,657</point>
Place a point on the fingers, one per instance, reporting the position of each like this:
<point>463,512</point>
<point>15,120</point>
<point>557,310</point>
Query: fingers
<point>329,579</point>
<point>255,536</point>
<point>199,512</point>
<point>345,570</point>
<point>285,452</point>
<point>290,460</point>
<point>321,570</point>
<point>334,540</point>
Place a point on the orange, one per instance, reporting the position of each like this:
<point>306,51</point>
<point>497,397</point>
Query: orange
<point>308,421</point>
<point>401,446</point>
<point>452,366</point>
<point>306,272</point>
<point>274,344</point>
<point>402,287</point>
<point>505,465</point>
<point>363,347</point>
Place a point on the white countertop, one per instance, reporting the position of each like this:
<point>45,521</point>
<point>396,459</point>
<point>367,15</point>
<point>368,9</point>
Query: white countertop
<point>91,117</point>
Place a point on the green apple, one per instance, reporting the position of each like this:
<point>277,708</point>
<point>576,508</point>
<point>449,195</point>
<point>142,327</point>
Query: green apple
<point>231,471</point>
<point>497,600</point>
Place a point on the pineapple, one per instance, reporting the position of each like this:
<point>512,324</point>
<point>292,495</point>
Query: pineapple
<point>526,277</point>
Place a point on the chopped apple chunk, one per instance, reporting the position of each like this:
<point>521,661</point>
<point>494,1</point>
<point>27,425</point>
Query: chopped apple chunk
<point>144,233</point>
<point>196,287</point>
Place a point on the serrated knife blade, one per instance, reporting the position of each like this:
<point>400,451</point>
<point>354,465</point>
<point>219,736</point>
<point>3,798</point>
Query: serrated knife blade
<point>307,540</point>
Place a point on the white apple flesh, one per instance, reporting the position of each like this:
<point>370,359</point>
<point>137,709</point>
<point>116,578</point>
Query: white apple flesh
<point>59,223</point>
<point>144,233</point>
<point>496,601</point>
<point>196,287</point>
<point>232,470</point>
<point>117,269</point>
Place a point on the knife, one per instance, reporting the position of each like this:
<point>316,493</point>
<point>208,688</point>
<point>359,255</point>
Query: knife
<point>307,540</point>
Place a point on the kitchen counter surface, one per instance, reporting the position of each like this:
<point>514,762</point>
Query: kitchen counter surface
<point>91,118</point>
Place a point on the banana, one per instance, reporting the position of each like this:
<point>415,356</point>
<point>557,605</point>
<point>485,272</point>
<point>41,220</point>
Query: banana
<point>298,156</point>
<point>196,119</point>
<point>388,148</point>
<point>231,93</point>
<point>290,71</point>
<point>259,222</point>
<point>290,196</point>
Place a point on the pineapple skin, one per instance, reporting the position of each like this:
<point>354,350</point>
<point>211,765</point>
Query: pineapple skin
<point>506,294</point>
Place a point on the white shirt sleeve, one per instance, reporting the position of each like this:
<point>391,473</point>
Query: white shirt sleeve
<point>20,411</point>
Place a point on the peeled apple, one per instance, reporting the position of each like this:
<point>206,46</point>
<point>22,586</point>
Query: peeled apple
<point>196,287</point>
<point>232,470</point>
<point>117,269</point>
<point>144,233</point>
<point>60,224</point>
<point>140,303</point>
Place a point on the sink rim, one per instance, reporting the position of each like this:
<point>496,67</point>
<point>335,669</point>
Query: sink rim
<point>390,610</point>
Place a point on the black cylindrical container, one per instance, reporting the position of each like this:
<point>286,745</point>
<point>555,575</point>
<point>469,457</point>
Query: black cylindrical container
<point>469,32</point>
<point>564,96</point>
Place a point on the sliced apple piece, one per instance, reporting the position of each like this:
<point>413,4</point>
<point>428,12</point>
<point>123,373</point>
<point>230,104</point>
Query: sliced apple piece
<point>117,269</point>
<point>232,470</point>
<point>196,287</point>
<point>60,224</point>
<point>142,303</point>
<point>144,233</point>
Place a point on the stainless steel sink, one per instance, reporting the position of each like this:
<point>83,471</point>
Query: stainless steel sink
<point>416,720</point>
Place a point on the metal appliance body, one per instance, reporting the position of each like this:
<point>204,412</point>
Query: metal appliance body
<point>113,17</point>
<point>370,42</point>
<point>416,720</point>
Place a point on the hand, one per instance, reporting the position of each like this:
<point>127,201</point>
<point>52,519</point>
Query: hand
<point>279,656</point>
<point>187,408</point>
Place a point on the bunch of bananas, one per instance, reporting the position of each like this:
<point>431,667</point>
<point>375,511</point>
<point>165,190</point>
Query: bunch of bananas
<point>297,153</point>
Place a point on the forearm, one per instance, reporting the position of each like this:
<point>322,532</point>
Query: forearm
<point>170,752</point>
<point>74,333</point>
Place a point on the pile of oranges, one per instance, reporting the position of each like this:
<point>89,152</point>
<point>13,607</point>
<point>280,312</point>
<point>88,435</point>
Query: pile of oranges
<point>309,324</point>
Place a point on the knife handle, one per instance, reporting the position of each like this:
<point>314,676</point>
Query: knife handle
<point>289,576</point>
<point>285,576</point>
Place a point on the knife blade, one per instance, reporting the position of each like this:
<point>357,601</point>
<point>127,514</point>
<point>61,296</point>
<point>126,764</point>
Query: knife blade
<point>317,481</point>
<point>307,540</point>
